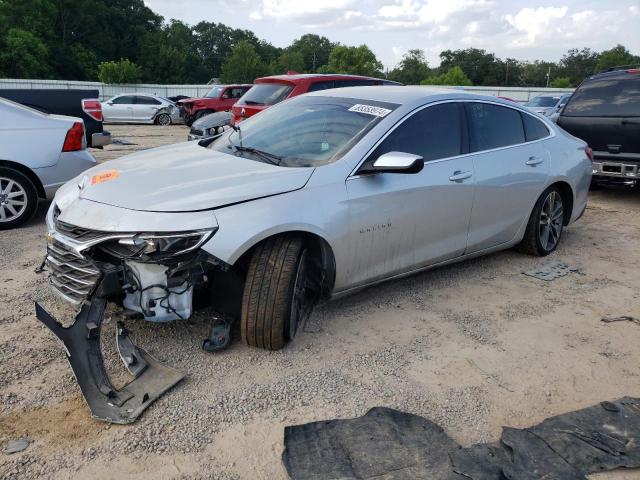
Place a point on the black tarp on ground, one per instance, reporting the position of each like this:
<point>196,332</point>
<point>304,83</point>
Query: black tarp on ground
<point>393,445</point>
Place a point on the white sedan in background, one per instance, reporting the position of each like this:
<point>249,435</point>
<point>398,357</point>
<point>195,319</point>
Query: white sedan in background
<point>38,153</point>
<point>139,108</point>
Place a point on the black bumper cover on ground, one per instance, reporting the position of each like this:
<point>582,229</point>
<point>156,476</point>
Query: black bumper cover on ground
<point>82,344</point>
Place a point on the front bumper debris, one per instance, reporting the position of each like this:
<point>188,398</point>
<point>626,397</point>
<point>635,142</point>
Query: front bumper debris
<point>82,344</point>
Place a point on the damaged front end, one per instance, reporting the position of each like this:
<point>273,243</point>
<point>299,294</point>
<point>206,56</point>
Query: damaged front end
<point>151,275</point>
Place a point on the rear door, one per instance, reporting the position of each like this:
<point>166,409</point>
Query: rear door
<point>605,113</point>
<point>144,109</point>
<point>401,222</point>
<point>510,172</point>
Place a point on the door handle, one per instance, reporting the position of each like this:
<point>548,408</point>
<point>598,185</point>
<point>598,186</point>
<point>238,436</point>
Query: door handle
<point>459,176</point>
<point>533,161</point>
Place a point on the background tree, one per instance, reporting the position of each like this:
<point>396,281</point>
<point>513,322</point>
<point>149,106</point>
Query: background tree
<point>412,69</point>
<point>290,60</point>
<point>477,65</point>
<point>453,77</point>
<point>244,64</point>
<point>561,82</point>
<point>354,60</point>
<point>24,55</point>
<point>578,64</point>
<point>615,57</point>
<point>122,71</point>
<point>314,49</point>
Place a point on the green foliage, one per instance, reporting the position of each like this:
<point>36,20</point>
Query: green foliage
<point>616,57</point>
<point>561,82</point>
<point>412,69</point>
<point>244,64</point>
<point>314,49</point>
<point>454,77</point>
<point>290,60</point>
<point>24,55</point>
<point>354,60</point>
<point>578,64</point>
<point>121,71</point>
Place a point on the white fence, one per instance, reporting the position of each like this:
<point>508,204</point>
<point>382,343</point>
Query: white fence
<point>520,94</point>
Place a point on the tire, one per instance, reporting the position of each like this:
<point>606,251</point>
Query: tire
<point>544,230</point>
<point>188,120</point>
<point>163,119</point>
<point>18,198</point>
<point>275,300</point>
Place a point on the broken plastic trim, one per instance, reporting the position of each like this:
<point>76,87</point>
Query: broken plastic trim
<point>82,343</point>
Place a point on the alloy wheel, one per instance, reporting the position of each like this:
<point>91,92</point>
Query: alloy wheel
<point>13,199</point>
<point>298,299</point>
<point>551,221</point>
<point>164,119</point>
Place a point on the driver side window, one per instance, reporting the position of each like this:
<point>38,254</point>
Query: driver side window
<point>433,132</point>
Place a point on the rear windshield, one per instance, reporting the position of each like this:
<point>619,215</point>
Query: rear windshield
<point>266,93</point>
<point>606,97</point>
<point>543,101</point>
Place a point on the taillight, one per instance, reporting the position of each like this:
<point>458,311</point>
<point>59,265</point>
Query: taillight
<point>589,153</point>
<point>633,70</point>
<point>93,108</point>
<point>74,140</point>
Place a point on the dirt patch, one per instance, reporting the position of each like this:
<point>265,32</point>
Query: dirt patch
<point>472,346</point>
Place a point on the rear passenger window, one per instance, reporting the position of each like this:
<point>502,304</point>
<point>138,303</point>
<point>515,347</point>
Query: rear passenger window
<point>317,86</point>
<point>433,132</point>
<point>534,129</point>
<point>354,83</point>
<point>146,101</point>
<point>493,126</point>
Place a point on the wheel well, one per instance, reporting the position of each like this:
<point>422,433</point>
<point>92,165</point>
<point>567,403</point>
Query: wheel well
<point>567,200</point>
<point>323,267</point>
<point>28,173</point>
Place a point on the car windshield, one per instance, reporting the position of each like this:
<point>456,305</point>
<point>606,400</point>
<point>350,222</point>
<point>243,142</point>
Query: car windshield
<point>306,131</point>
<point>214,92</point>
<point>267,93</point>
<point>543,101</point>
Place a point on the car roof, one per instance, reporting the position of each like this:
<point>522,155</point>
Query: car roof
<point>406,95</point>
<point>306,76</point>
<point>232,85</point>
<point>621,73</point>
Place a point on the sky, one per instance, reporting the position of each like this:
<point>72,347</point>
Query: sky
<point>525,30</point>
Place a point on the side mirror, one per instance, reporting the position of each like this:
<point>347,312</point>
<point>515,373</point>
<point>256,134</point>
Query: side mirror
<point>109,103</point>
<point>398,162</point>
<point>225,97</point>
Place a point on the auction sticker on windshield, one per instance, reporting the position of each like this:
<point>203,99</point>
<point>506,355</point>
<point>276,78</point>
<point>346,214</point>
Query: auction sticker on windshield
<point>370,110</point>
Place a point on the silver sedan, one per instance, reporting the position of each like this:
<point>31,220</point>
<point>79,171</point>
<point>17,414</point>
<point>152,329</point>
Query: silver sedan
<point>140,108</point>
<point>315,198</point>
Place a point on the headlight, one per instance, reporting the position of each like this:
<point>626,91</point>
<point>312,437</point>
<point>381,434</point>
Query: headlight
<point>157,246</point>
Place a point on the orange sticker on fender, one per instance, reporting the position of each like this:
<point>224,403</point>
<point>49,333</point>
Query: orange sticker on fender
<point>104,177</point>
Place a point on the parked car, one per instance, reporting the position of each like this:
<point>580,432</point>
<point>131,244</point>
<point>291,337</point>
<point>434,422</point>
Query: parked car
<point>140,108</point>
<point>604,111</point>
<point>315,198</point>
<point>555,112</point>
<point>219,99</point>
<point>545,104</point>
<point>38,153</point>
<point>83,104</point>
<point>268,91</point>
<point>209,125</point>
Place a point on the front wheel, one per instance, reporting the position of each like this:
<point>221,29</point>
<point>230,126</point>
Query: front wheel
<point>18,198</point>
<point>545,226</point>
<point>163,119</point>
<point>275,299</point>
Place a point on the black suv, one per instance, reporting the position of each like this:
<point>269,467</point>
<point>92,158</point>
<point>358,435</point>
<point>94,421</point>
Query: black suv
<point>604,111</point>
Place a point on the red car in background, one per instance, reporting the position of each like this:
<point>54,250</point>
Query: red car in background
<point>268,91</point>
<point>219,99</point>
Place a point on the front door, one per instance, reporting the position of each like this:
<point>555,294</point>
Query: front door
<point>400,221</point>
<point>118,109</point>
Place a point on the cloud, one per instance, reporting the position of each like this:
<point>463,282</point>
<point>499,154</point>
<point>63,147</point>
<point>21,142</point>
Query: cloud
<point>534,22</point>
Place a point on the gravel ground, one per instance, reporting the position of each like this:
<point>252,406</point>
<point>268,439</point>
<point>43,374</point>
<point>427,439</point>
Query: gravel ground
<point>473,346</point>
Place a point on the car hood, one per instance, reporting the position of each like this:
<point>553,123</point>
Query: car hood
<point>186,177</point>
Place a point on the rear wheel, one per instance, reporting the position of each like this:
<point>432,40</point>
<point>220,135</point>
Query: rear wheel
<point>275,299</point>
<point>18,198</point>
<point>545,226</point>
